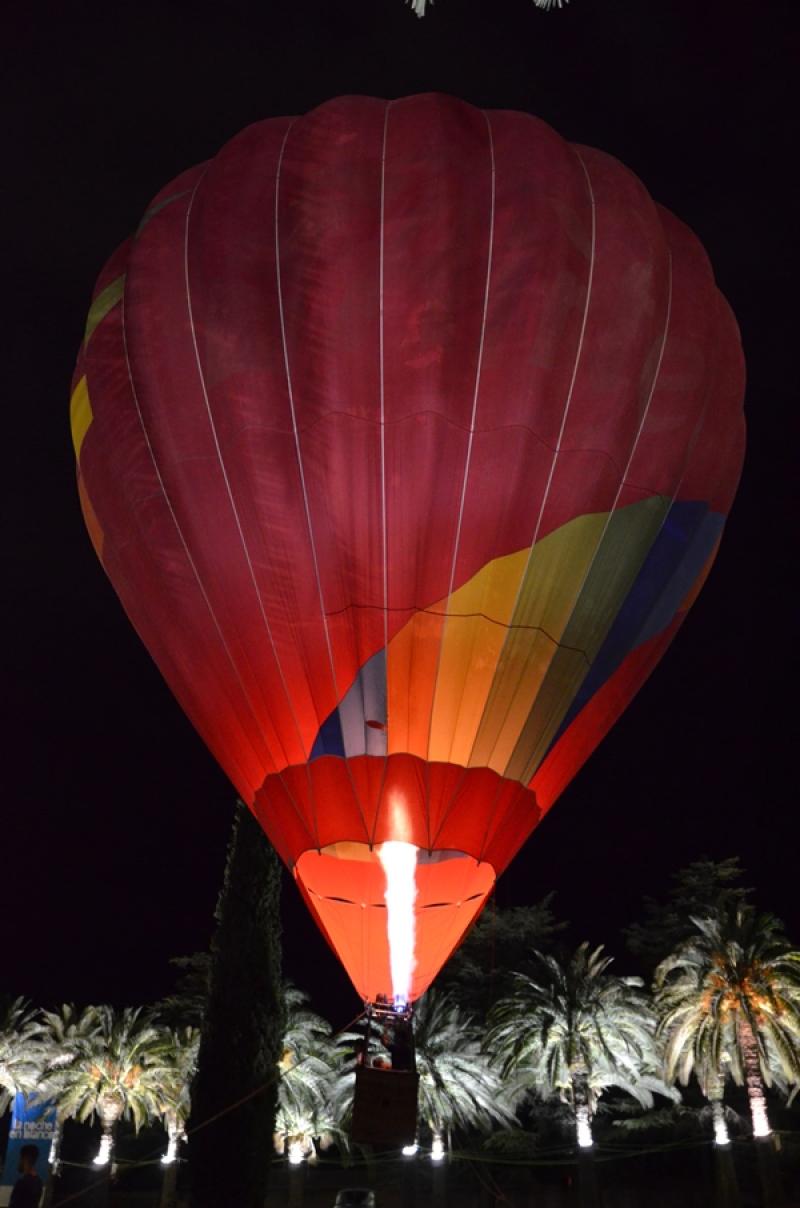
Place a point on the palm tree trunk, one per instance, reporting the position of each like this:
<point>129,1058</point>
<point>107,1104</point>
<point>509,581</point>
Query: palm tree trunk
<point>53,1166</point>
<point>588,1190</point>
<point>721,1135</point>
<point>769,1175</point>
<point>439,1177</point>
<point>715,1098</point>
<point>103,1164</point>
<point>169,1185</point>
<point>105,1153</point>
<point>753,1080</point>
<point>582,1109</point>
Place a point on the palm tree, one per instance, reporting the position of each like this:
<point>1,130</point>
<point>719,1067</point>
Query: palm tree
<point>574,1030</point>
<point>460,1086</point>
<point>63,1032</point>
<point>179,1062</point>
<point>20,1049</point>
<point>179,1065</point>
<point>117,1070</point>
<point>729,999</point>
<point>309,1068</point>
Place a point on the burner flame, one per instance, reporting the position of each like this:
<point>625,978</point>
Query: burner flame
<point>399,861</point>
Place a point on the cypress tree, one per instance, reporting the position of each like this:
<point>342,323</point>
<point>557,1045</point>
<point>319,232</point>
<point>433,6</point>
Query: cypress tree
<point>242,1033</point>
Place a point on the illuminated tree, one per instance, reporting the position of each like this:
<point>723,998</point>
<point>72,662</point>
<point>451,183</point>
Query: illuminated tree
<point>20,1049</point>
<point>729,999</point>
<point>63,1032</point>
<point>115,1070</point>
<point>460,1085</point>
<point>180,1064</point>
<point>574,1030</point>
<point>310,1066</point>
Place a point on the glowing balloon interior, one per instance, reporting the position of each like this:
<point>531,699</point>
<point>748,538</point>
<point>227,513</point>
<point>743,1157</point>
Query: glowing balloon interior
<point>406,434</point>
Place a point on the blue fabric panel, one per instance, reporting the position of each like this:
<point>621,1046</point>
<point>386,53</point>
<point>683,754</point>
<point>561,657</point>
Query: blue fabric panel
<point>676,558</point>
<point>697,552</point>
<point>329,739</point>
<point>347,731</point>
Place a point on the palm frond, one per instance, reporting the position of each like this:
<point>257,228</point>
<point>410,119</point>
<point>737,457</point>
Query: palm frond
<point>575,1025</point>
<point>730,994</point>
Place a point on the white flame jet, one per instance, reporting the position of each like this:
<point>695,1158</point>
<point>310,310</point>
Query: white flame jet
<point>399,861</point>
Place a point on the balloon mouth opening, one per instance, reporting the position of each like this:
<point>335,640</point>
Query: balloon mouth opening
<point>393,912</point>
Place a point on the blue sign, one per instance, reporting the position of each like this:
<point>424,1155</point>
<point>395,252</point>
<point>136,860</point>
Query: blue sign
<point>33,1122</point>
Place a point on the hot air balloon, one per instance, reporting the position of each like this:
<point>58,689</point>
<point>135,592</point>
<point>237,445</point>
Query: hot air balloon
<point>406,434</point>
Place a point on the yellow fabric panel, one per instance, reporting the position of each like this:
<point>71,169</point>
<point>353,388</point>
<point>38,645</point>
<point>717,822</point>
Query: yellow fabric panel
<point>102,304</point>
<point>525,663</point>
<point>80,414</point>
<point>474,634</point>
<point>557,566</point>
<point>469,657</point>
<point>492,592</point>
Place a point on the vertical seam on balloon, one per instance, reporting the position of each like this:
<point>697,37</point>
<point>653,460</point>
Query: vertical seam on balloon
<point>307,766</point>
<point>470,439</point>
<point>187,552</point>
<point>226,479</point>
<point>426,779</point>
<point>364,910</point>
<point>306,505</point>
<point>556,452</point>
<point>501,782</point>
<point>462,775</point>
<point>382,401</point>
<point>528,774</point>
<point>687,458</point>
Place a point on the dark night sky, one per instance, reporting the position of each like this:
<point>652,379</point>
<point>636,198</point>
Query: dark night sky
<point>115,817</point>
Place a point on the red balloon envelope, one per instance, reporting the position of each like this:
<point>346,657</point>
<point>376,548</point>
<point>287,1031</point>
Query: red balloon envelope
<point>406,434</point>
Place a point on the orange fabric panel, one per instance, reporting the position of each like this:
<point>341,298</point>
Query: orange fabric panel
<point>412,664</point>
